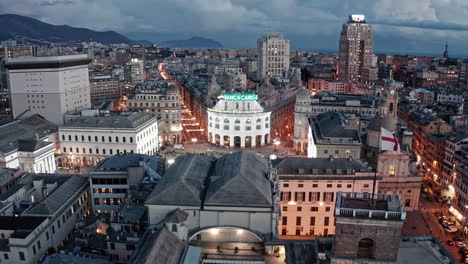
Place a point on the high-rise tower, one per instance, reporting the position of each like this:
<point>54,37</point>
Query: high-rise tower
<point>356,49</point>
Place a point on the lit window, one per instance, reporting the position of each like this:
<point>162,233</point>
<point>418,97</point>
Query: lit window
<point>391,170</point>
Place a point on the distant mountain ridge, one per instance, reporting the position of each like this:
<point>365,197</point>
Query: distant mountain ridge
<point>21,27</point>
<point>192,43</point>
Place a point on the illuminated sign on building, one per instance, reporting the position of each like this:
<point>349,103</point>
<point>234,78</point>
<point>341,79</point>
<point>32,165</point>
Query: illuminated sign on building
<point>357,18</point>
<point>239,97</point>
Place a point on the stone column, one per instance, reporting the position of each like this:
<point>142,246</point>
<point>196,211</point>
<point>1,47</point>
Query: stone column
<point>221,140</point>
<point>253,141</point>
<point>242,142</point>
<point>231,142</point>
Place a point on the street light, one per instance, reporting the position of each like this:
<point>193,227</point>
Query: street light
<point>170,161</point>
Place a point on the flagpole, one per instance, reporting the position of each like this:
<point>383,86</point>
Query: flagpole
<point>373,189</point>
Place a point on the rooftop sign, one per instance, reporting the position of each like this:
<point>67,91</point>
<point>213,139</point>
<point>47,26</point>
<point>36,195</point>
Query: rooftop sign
<point>239,97</point>
<point>357,18</point>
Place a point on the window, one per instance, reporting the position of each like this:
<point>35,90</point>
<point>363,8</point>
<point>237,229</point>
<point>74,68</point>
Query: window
<point>408,202</point>
<point>102,139</point>
<point>327,209</point>
<point>5,256</point>
<point>326,221</point>
<point>21,255</point>
<point>314,209</point>
<point>298,220</point>
<point>284,221</point>
<point>69,138</point>
<point>299,209</point>
<point>391,170</point>
<point>329,185</point>
<point>110,139</point>
<point>285,208</point>
<point>286,185</point>
<point>312,220</point>
<point>76,138</point>
<point>174,228</point>
<point>112,246</point>
<point>64,149</point>
<point>314,185</point>
<point>124,140</point>
<point>63,137</point>
<point>314,196</point>
<point>301,185</point>
<point>38,244</point>
<point>366,185</point>
<point>349,186</point>
<point>283,231</point>
<point>47,235</point>
<point>53,229</point>
<point>298,231</point>
<point>329,196</point>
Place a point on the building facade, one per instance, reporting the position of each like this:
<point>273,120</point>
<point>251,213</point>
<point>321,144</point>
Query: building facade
<point>356,49</point>
<point>238,120</point>
<point>104,87</point>
<point>87,139</point>
<point>309,188</point>
<point>272,56</point>
<point>49,86</point>
<point>161,100</point>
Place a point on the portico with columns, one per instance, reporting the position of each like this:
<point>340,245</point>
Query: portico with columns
<point>239,121</point>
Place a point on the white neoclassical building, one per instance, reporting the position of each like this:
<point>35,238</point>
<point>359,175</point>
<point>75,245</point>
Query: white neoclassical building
<point>238,120</point>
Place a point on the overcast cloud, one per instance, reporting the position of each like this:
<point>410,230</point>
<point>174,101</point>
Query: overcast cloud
<point>314,24</point>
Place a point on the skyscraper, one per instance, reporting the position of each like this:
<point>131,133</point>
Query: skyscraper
<point>273,56</point>
<point>356,49</point>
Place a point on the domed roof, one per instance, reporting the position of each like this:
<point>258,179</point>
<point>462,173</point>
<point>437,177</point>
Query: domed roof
<point>303,92</point>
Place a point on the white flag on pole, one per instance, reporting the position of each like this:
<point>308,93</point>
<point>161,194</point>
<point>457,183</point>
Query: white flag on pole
<point>388,141</point>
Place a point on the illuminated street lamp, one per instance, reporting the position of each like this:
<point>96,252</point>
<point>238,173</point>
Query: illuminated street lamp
<point>170,161</point>
<point>194,140</point>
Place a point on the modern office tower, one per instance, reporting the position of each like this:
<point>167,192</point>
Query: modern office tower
<point>49,86</point>
<point>356,49</point>
<point>272,56</point>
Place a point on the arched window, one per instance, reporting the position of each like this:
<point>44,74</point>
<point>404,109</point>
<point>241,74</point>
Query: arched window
<point>211,118</point>
<point>226,121</point>
<point>266,118</point>
<point>174,228</point>
<point>366,248</point>
<point>259,120</point>
<point>217,120</point>
<point>248,121</point>
<point>237,106</point>
<point>391,107</point>
<point>237,121</point>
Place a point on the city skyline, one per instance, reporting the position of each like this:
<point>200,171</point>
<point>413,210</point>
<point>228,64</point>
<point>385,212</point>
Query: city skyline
<point>237,24</point>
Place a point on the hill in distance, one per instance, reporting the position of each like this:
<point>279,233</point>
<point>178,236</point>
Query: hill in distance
<point>21,27</point>
<point>192,43</point>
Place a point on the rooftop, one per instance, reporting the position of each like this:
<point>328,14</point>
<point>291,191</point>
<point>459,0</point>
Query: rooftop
<point>109,119</point>
<point>30,129</point>
<point>333,125</point>
<point>121,162</point>
<point>237,179</point>
<point>21,225</point>
<point>59,196</point>
<point>304,166</point>
<point>47,62</point>
<point>360,205</point>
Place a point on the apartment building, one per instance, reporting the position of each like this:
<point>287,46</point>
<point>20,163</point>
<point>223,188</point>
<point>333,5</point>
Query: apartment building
<point>308,190</point>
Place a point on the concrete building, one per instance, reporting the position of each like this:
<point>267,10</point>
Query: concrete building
<point>104,87</point>
<point>233,192</point>
<point>368,230</point>
<point>331,135</point>
<point>309,189</point>
<point>9,50</point>
<point>426,97</point>
<point>360,108</point>
<point>111,178</point>
<point>315,85</point>
<point>272,56</point>
<point>238,120</point>
<point>88,138</point>
<point>161,100</point>
<point>356,49</point>
<point>49,86</point>
<point>137,71</point>
<point>235,81</point>
<point>60,201</point>
<point>29,145</point>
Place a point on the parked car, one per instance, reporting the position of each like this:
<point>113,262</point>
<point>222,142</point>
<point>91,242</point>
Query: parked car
<point>450,242</point>
<point>460,244</point>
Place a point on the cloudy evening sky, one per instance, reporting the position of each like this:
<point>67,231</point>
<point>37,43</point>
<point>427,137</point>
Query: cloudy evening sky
<point>414,26</point>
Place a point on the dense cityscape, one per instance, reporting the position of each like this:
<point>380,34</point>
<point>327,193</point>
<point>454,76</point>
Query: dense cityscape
<point>141,153</point>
